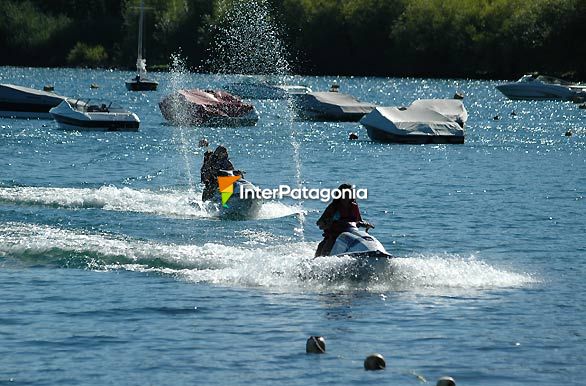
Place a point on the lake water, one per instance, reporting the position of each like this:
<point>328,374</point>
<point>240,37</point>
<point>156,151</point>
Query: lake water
<point>110,275</point>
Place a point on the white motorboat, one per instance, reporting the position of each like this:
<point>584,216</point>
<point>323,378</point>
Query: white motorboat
<point>25,102</point>
<point>424,121</point>
<point>84,115</point>
<point>140,82</point>
<point>330,106</point>
<point>531,87</point>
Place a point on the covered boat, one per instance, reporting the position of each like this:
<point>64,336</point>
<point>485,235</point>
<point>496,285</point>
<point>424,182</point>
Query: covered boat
<point>424,121</point>
<point>330,106</point>
<point>25,102</point>
<point>207,108</point>
<point>251,88</point>
<point>85,115</point>
<point>535,87</point>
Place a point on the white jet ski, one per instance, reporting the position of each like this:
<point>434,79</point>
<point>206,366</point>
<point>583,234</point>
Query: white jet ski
<point>358,243</point>
<point>361,256</point>
<point>239,208</point>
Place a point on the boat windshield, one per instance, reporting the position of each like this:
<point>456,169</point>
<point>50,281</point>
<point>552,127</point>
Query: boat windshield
<point>97,106</point>
<point>552,80</point>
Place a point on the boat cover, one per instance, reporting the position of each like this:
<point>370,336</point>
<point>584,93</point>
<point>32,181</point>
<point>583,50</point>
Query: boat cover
<point>332,105</point>
<point>428,117</point>
<point>20,94</point>
<point>198,106</point>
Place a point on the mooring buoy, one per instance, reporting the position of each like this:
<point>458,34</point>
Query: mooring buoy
<point>315,345</point>
<point>446,381</point>
<point>375,362</point>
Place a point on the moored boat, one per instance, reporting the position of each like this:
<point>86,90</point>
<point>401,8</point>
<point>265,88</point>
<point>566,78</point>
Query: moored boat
<point>329,106</point>
<point>84,115</point>
<point>24,102</point>
<point>537,87</point>
<point>207,108</point>
<point>251,88</point>
<point>424,121</point>
<point>140,82</point>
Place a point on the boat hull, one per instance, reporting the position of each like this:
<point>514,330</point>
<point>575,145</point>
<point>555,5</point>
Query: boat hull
<point>143,85</point>
<point>69,118</point>
<point>95,125</point>
<point>349,266</point>
<point>524,92</point>
<point>25,103</point>
<point>414,139</point>
<point>207,108</point>
<point>329,107</point>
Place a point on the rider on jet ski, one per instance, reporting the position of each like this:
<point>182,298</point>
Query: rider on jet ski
<point>210,169</point>
<point>336,217</point>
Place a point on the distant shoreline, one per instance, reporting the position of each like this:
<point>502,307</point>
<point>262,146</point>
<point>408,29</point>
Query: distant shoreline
<point>162,71</point>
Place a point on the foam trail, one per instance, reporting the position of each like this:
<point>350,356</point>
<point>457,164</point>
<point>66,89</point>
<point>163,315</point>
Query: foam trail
<point>265,260</point>
<point>164,203</point>
<point>453,271</point>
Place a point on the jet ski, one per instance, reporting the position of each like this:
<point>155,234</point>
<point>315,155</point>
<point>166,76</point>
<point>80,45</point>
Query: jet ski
<point>359,255</point>
<point>358,243</point>
<point>237,207</point>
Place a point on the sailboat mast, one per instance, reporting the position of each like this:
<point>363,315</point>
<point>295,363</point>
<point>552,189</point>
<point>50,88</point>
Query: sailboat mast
<point>140,23</point>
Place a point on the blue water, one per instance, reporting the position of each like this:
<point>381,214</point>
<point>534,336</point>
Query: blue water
<point>109,274</point>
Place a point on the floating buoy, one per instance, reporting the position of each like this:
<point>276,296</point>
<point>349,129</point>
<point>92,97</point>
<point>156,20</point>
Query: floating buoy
<point>375,362</point>
<point>446,381</point>
<point>496,117</point>
<point>513,114</point>
<point>353,136</point>
<point>48,87</point>
<point>315,345</point>
<point>94,85</point>
<point>203,142</point>
<point>459,95</point>
<point>568,133</point>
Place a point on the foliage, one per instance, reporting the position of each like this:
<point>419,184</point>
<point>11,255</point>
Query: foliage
<point>459,38</point>
<point>86,55</point>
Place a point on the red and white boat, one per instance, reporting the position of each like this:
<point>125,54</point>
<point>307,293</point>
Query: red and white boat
<point>207,108</point>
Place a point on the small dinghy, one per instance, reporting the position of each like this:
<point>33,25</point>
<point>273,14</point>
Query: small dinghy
<point>85,115</point>
<point>207,108</point>
<point>424,121</point>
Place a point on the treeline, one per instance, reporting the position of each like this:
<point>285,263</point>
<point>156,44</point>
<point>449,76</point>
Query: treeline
<point>438,38</point>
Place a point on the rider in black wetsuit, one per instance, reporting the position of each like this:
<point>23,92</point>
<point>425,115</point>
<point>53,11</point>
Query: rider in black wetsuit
<point>212,164</point>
